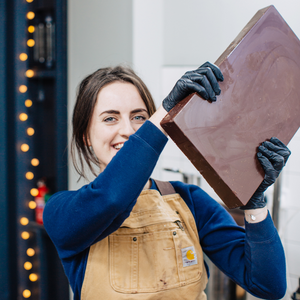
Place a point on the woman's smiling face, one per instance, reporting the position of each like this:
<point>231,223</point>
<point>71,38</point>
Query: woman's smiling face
<point>118,113</point>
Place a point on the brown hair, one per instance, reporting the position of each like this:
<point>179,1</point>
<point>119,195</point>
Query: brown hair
<point>86,99</point>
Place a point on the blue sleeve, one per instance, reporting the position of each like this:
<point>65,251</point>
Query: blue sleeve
<point>253,257</point>
<point>75,220</point>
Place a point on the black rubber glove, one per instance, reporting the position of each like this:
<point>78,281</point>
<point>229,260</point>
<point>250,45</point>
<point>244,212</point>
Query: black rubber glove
<point>204,81</point>
<point>273,156</point>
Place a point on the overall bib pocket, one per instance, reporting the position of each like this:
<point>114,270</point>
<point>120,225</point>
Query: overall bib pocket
<point>153,258</point>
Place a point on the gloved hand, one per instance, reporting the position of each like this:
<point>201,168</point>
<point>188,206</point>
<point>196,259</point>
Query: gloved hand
<point>204,81</point>
<point>273,156</point>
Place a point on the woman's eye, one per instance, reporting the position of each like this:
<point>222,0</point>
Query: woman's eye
<point>139,118</point>
<point>109,119</point>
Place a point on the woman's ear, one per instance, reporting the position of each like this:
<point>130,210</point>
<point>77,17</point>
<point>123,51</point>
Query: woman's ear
<point>86,141</point>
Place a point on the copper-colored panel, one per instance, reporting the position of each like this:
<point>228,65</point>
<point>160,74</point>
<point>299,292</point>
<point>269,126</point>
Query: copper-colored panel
<point>260,98</point>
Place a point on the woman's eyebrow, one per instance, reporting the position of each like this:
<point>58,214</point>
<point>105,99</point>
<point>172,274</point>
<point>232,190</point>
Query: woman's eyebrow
<point>139,110</point>
<point>116,112</point>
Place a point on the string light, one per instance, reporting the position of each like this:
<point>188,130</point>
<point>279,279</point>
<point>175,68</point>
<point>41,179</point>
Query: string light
<point>29,175</point>
<point>30,43</point>
<point>24,221</point>
<point>30,131</point>
<point>23,117</point>
<point>34,192</point>
<point>24,147</point>
<point>28,103</point>
<point>25,235</point>
<point>30,252</point>
<point>29,73</point>
<point>30,15</point>
<point>23,88</point>
<point>31,29</point>
<point>33,277</point>
<point>23,56</point>
<point>27,265</point>
<point>26,293</point>
<point>29,1</point>
<point>32,204</point>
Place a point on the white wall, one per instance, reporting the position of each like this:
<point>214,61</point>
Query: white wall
<point>162,39</point>
<point>99,35</point>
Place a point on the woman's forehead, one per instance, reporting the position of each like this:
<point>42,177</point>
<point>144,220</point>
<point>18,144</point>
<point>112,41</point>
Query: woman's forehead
<point>119,95</point>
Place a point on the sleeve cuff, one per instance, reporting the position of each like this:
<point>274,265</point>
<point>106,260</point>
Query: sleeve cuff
<point>262,231</point>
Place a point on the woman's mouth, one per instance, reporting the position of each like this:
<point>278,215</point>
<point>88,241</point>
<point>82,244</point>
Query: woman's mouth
<point>118,146</point>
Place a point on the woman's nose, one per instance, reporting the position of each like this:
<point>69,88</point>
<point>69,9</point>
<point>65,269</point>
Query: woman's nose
<point>126,128</point>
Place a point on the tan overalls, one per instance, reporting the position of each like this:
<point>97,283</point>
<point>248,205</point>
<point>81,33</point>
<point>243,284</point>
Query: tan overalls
<point>155,254</point>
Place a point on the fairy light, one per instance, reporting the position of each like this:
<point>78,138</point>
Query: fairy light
<point>26,293</point>
<point>28,103</point>
<point>30,15</point>
<point>29,175</point>
<point>30,131</point>
<point>29,73</point>
<point>30,43</point>
<point>24,221</point>
<point>27,265</point>
<point>29,1</point>
<point>31,29</point>
<point>35,162</point>
<point>32,204</point>
<point>34,192</point>
<point>30,252</point>
<point>33,277</point>
<point>24,147</point>
<point>25,235</point>
<point>23,117</point>
<point>23,88</point>
<point>23,56</point>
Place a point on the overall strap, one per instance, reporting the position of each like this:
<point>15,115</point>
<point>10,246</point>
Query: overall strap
<point>164,187</point>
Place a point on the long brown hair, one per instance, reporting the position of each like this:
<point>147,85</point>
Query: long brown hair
<point>86,99</point>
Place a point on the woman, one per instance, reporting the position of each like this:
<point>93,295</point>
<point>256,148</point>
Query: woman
<point>125,236</point>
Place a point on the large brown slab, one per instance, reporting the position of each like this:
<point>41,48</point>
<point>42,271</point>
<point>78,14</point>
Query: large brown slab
<point>260,98</point>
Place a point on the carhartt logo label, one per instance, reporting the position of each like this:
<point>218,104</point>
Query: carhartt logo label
<point>189,256</point>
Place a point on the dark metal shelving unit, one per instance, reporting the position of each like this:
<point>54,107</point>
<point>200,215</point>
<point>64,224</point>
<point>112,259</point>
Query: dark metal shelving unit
<point>47,89</point>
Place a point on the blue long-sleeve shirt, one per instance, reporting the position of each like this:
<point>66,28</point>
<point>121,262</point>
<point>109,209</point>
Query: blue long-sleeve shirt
<point>75,220</point>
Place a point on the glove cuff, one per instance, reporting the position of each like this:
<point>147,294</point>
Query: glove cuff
<point>255,202</point>
<point>166,105</point>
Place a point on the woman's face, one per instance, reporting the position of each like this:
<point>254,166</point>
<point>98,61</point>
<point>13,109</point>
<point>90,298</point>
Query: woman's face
<point>119,112</point>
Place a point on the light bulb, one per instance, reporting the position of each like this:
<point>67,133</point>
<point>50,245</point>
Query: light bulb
<point>31,29</point>
<point>24,221</point>
<point>30,252</point>
<point>26,293</point>
<point>33,277</point>
<point>27,265</point>
<point>30,131</point>
<point>30,43</point>
<point>29,175</point>
<point>23,117</point>
<point>30,15</point>
<point>32,204</point>
<point>34,192</point>
<point>25,235</point>
<point>29,73</point>
<point>28,103</point>
<point>23,88</point>
<point>23,56</point>
<point>35,162</point>
<point>24,147</point>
